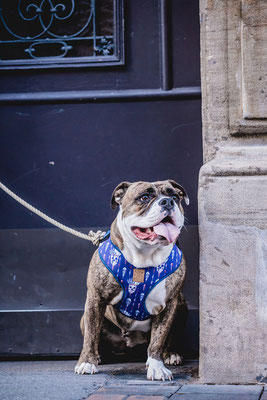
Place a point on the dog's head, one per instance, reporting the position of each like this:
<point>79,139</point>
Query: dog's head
<point>150,212</point>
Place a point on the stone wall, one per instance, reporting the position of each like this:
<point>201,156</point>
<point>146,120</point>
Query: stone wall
<point>233,192</point>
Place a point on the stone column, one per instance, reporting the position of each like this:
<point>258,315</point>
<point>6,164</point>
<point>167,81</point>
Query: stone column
<point>233,192</point>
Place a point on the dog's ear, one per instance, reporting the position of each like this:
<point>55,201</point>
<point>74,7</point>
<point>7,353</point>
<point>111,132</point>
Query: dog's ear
<point>118,194</point>
<point>181,190</point>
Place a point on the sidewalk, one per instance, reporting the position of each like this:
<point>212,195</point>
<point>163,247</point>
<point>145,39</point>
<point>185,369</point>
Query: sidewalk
<point>55,380</point>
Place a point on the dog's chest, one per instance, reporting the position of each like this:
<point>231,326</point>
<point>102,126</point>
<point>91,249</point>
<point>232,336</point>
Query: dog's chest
<point>155,301</point>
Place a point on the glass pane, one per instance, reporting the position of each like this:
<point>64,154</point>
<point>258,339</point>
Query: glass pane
<point>47,30</point>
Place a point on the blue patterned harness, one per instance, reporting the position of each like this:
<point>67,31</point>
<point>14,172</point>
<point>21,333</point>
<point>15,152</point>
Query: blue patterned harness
<point>134,296</point>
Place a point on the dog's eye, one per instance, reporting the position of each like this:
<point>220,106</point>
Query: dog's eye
<point>145,197</point>
<point>175,197</point>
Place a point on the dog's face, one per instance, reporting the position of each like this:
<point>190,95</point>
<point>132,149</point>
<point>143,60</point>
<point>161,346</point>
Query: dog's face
<point>151,213</point>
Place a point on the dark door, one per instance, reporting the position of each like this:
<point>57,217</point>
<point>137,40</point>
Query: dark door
<point>92,93</point>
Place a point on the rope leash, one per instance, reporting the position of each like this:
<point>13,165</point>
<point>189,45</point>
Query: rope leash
<point>94,237</point>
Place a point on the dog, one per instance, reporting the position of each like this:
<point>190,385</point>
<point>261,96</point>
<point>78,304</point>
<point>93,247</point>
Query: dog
<point>136,275</point>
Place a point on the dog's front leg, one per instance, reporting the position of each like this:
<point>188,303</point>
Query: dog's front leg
<point>161,325</point>
<point>92,319</point>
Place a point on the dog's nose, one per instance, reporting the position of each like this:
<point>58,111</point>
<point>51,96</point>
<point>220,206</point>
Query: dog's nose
<point>167,203</point>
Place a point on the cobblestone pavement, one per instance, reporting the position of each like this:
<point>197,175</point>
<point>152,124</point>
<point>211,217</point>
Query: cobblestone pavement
<point>55,380</point>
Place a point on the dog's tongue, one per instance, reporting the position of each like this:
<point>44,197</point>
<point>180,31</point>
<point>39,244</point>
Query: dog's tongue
<point>168,230</point>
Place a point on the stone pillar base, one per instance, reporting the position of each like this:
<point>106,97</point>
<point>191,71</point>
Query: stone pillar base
<point>233,270</point>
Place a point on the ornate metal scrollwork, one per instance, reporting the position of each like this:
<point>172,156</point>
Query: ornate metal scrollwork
<point>43,29</point>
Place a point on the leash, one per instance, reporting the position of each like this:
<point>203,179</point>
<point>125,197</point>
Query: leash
<point>94,237</point>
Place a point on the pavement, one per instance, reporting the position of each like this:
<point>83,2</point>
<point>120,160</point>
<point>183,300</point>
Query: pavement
<point>55,380</point>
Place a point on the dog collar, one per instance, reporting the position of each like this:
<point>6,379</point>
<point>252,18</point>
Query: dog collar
<point>133,302</point>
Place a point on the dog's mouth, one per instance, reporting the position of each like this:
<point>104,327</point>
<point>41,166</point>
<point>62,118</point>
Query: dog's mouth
<point>164,230</point>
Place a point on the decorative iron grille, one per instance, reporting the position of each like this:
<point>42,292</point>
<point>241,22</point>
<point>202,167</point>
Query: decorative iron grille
<point>60,32</point>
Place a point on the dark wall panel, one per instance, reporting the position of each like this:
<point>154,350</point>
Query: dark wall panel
<point>67,159</point>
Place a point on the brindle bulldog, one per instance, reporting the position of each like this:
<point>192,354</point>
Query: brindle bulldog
<point>135,277</point>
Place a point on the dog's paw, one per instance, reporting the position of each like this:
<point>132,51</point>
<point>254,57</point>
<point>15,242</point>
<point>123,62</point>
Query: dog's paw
<point>172,358</point>
<point>157,370</point>
<point>86,368</point>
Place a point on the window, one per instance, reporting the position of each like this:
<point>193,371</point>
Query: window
<point>55,33</point>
